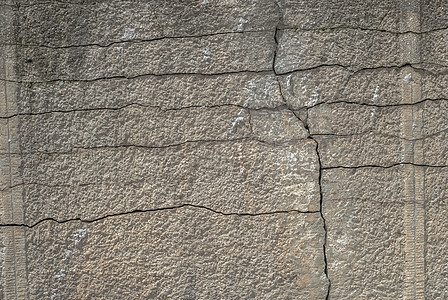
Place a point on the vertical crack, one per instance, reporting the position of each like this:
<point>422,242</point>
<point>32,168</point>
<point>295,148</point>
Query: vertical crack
<point>321,213</point>
<point>304,121</point>
<point>279,26</point>
<point>305,124</point>
<point>276,34</point>
<point>275,48</point>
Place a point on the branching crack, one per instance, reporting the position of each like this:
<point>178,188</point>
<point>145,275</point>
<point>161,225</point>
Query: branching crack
<point>137,211</point>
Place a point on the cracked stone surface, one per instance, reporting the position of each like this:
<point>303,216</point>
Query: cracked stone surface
<point>95,22</point>
<point>251,90</point>
<point>196,251</point>
<point>204,55</point>
<point>374,136</point>
<point>259,149</point>
<point>373,87</point>
<point>250,177</point>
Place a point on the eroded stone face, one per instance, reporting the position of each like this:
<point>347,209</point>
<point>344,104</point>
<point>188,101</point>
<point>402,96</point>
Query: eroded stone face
<point>313,15</point>
<point>369,135</point>
<point>357,49</point>
<point>132,125</point>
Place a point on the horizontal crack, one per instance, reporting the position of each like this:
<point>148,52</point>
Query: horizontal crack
<point>386,167</point>
<point>342,27</point>
<point>284,143</point>
<point>267,71</point>
<point>358,70</point>
<point>162,109</point>
<point>136,41</point>
<point>379,133</point>
<point>376,105</point>
<point>158,209</point>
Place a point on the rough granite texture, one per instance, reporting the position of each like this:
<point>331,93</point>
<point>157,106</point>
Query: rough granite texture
<point>235,149</point>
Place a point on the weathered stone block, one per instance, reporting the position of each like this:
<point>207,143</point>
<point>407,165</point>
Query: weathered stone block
<point>133,125</point>
<point>204,55</point>
<point>229,176</point>
<point>183,253</point>
<point>356,135</point>
<point>436,226</point>
<point>250,90</point>
<point>314,15</point>
<point>277,126</point>
<point>68,23</point>
<point>354,48</point>
<point>381,87</point>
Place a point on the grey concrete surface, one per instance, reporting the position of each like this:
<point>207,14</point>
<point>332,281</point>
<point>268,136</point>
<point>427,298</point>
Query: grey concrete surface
<point>237,149</point>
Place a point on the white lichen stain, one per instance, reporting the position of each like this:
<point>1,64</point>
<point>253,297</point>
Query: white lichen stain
<point>269,90</point>
<point>314,97</point>
<point>68,253</point>
<point>205,2</point>
<point>60,275</point>
<point>334,265</point>
<point>206,56</point>
<point>408,78</point>
<point>372,114</point>
<point>241,22</point>
<point>376,94</point>
<point>288,80</point>
<point>119,48</point>
<point>343,241</point>
<point>80,235</point>
<point>250,92</point>
<point>129,34</point>
<point>240,118</point>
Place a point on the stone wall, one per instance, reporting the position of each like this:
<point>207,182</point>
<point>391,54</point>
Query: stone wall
<point>234,149</point>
